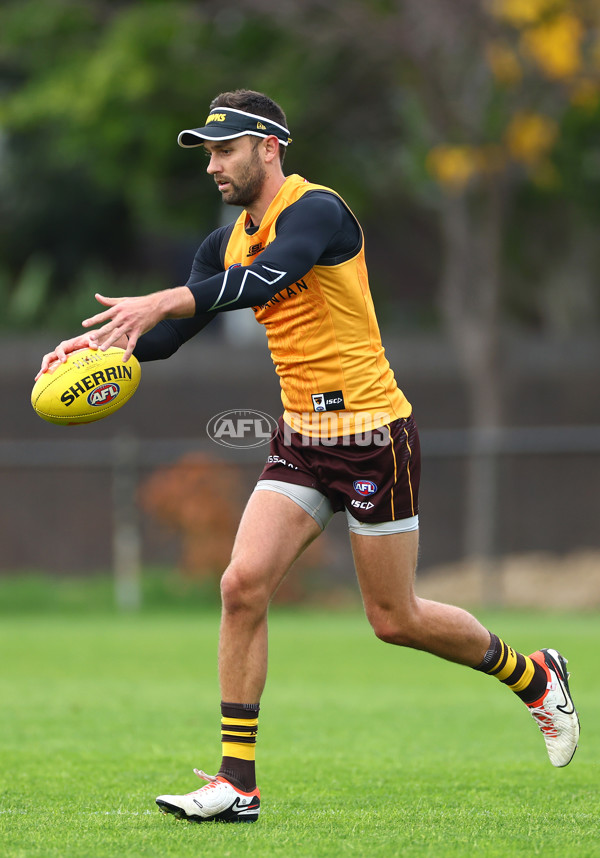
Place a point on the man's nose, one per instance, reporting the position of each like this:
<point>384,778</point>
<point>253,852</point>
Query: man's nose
<point>213,165</point>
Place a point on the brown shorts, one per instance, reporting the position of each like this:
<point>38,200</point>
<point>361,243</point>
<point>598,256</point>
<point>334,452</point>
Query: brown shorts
<point>376,478</point>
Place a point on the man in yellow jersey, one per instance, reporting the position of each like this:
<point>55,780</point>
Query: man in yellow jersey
<point>347,440</point>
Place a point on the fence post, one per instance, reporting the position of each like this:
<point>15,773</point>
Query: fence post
<point>482,508</point>
<point>126,528</point>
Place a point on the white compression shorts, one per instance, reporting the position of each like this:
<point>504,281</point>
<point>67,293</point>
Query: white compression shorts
<point>318,506</point>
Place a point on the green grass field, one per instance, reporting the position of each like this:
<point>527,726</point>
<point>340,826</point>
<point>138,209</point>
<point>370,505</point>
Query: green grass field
<point>364,750</point>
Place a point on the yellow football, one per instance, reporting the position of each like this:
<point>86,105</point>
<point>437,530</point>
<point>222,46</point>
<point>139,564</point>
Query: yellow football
<point>88,386</point>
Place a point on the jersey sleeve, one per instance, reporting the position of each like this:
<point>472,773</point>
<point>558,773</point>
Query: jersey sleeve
<point>170,334</point>
<point>317,226</point>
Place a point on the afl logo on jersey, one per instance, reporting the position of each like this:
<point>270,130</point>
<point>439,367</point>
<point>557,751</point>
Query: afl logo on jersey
<point>365,487</point>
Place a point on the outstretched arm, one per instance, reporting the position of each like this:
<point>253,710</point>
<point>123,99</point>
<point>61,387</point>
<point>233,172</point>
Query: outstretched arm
<point>317,228</point>
<point>131,317</point>
<point>164,338</point>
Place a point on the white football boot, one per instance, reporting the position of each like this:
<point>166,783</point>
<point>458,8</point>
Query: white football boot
<point>554,712</point>
<point>218,801</point>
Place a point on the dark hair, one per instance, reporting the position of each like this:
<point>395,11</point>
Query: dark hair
<point>253,102</point>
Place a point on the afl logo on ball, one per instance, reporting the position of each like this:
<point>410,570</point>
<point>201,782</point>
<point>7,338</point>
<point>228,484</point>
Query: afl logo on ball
<point>365,487</point>
<point>103,394</point>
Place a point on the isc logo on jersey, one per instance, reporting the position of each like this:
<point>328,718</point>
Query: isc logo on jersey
<point>364,487</point>
<point>103,394</point>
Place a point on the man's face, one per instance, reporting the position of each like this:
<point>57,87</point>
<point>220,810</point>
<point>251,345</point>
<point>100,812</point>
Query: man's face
<point>237,169</point>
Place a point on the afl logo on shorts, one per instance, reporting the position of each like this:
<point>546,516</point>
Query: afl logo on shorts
<point>103,394</point>
<point>365,487</point>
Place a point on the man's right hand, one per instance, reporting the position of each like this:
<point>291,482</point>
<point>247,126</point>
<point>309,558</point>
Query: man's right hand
<point>59,355</point>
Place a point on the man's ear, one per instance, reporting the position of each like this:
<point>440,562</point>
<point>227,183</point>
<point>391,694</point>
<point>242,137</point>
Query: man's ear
<point>271,148</point>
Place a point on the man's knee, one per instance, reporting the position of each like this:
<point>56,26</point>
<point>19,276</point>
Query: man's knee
<point>400,628</point>
<point>242,588</point>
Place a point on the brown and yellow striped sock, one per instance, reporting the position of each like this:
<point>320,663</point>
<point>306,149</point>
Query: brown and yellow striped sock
<point>523,675</point>
<point>239,725</point>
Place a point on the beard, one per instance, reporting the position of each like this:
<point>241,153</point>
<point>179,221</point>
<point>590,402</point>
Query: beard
<point>247,189</point>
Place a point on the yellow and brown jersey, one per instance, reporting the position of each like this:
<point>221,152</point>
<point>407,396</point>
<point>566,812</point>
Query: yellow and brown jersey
<point>322,332</point>
<point>303,272</point>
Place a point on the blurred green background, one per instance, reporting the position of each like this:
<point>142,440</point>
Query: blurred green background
<point>467,132</point>
<point>465,136</point>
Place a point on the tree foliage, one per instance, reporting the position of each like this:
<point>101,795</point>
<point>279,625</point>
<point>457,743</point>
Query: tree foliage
<point>406,107</point>
<point>93,98</point>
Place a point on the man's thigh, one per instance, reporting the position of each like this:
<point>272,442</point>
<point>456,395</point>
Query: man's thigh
<point>385,568</point>
<point>273,532</point>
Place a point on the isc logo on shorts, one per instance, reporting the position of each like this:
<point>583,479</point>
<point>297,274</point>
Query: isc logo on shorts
<point>361,504</point>
<point>365,487</point>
